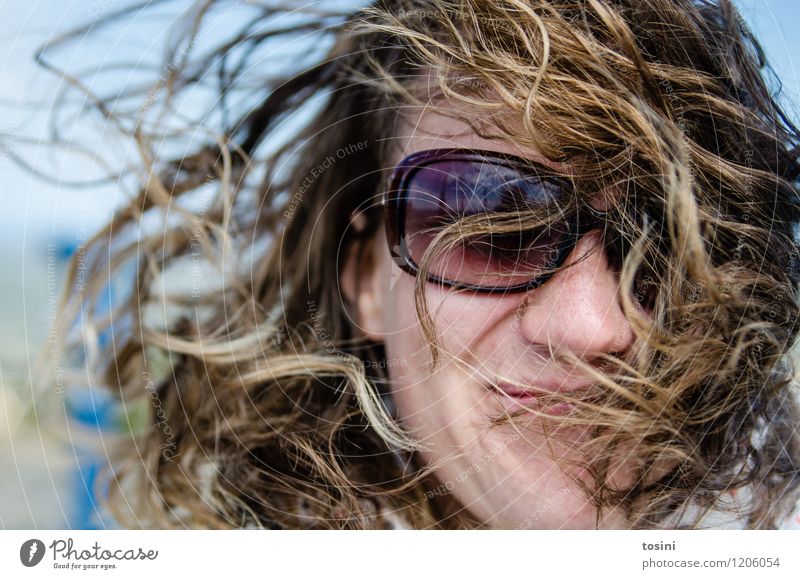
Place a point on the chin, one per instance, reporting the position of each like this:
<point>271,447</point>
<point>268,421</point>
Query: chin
<point>525,488</point>
<point>560,509</point>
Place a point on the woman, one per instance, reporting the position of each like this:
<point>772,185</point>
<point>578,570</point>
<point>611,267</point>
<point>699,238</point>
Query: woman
<point>583,314</point>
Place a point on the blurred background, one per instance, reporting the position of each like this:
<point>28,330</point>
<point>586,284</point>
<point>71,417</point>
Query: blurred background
<point>53,441</point>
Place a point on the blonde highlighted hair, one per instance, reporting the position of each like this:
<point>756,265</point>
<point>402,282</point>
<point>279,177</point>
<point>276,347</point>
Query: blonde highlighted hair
<point>274,402</point>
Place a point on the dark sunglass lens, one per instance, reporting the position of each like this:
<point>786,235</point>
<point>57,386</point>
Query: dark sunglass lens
<point>471,207</point>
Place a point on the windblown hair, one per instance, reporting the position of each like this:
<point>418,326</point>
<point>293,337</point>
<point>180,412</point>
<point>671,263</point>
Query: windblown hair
<point>266,407</point>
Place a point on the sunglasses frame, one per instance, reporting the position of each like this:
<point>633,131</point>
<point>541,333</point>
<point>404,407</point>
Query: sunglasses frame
<point>581,221</point>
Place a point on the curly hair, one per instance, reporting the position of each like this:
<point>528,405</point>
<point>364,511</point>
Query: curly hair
<point>266,407</point>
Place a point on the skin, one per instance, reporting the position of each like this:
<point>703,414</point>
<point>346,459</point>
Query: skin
<point>500,477</point>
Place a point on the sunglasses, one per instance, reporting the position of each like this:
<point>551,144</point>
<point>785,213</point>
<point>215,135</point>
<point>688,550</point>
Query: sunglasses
<point>473,198</point>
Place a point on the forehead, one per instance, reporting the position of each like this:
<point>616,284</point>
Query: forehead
<point>437,127</point>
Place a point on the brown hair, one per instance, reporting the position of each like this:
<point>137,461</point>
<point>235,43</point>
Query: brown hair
<point>271,399</point>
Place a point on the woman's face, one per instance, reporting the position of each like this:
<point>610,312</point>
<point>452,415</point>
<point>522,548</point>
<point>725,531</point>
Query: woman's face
<point>501,476</point>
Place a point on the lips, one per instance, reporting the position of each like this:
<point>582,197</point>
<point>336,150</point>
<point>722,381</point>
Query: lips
<point>518,392</point>
<point>514,397</point>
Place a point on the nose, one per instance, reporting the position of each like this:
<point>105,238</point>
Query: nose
<point>578,308</point>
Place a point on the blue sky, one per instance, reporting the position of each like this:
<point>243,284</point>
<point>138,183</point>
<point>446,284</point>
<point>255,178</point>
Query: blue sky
<point>775,24</point>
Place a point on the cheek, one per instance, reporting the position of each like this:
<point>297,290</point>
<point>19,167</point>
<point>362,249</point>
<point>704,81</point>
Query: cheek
<point>408,357</point>
<point>451,398</point>
<point>466,324</point>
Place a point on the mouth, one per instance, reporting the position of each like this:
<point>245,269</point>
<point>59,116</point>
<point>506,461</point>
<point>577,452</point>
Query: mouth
<point>513,398</point>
